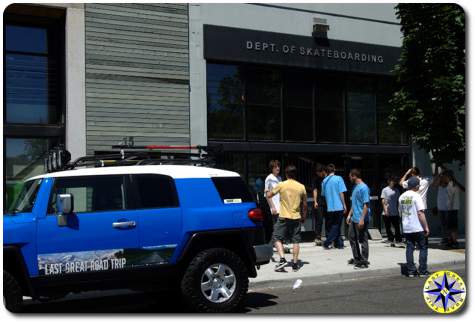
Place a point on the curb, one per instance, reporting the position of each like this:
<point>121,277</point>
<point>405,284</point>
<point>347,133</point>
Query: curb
<point>354,275</point>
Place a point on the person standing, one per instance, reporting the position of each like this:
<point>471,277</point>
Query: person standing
<point>319,206</point>
<point>425,183</point>
<point>293,212</point>
<point>271,181</point>
<point>389,200</point>
<point>441,181</point>
<point>358,219</point>
<point>415,227</point>
<point>453,195</point>
<point>333,190</point>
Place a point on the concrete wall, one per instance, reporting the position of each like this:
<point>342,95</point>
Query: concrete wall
<point>366,23</point>
<point>75,122</point>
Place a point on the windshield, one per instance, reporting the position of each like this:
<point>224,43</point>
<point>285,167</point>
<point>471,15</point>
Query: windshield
<point>26,199</point>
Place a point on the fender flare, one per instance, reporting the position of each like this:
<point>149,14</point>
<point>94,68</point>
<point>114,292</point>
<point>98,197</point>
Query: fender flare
<point>14,263</point>
<point>241,236</point>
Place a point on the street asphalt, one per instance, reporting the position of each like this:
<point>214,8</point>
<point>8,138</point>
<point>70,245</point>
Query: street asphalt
<point>369,295</point>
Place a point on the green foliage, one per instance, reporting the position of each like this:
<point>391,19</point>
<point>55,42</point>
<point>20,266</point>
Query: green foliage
<point>429,98</point>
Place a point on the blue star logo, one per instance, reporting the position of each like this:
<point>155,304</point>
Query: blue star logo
<point>445,292</point>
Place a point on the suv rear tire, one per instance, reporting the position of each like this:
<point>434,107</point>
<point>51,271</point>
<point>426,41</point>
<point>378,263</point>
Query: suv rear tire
<point>216,281</point>
<point>12,294</point>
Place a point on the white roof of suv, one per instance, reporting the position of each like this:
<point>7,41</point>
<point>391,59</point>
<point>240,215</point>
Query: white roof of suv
<point>174,171</point>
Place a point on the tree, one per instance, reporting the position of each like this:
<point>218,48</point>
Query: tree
<point>429,98</point>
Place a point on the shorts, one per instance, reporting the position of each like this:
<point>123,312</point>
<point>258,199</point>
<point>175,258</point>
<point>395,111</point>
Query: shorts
<point>287,230</point>
<point>452,220</point>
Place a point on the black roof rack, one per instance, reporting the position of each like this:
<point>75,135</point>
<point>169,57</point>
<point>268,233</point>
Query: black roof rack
<point>127,154</point>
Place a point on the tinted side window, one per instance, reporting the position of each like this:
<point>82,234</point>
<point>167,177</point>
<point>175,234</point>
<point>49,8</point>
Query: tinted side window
<point>155,191</point>
<point>92,193</point>
<point>230,188</point>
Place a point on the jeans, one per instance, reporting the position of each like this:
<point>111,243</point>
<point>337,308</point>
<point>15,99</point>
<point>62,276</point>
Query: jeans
<point>334,220</point>
<point>443,215</point>
<point>359,242</point>
<point>394,221</point>
<point>412,239</point>
<point>320,216</point>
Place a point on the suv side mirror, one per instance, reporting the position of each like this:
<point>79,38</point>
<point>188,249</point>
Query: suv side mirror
<point>64,207</point>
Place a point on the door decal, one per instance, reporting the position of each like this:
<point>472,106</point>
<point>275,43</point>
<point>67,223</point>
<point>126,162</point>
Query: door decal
<point>103,260</point>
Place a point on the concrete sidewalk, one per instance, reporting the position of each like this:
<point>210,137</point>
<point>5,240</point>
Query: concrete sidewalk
<point>320,266</point>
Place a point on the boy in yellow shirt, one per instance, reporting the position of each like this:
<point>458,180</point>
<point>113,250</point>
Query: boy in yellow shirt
<point>293,212</point>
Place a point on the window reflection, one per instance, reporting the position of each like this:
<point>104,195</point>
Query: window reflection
<point>298,107</point>
<point>31,77</point>
<point>361,111</point>
<point>331,110</point>
<point>263,100</point>
<point>23,159</point>
<point>26,39</point>
<point>225,108</point>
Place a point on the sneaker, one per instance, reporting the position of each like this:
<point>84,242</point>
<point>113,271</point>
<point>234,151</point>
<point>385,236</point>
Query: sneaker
<point>393,244</point>
<point>281,264</point>
<point>386,241</point>
<point>425,273</point>
<point>412,275</point>
<point>327,247</point>
<point>360,265</point>
<point>295,266</point>
<point>351,261</point>
<point>318,242</point>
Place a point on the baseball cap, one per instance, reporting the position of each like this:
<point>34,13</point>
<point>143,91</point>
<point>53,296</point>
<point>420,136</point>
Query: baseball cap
<point>413,182</point>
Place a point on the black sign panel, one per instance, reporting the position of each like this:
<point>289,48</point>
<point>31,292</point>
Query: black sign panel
<point>244,45</point>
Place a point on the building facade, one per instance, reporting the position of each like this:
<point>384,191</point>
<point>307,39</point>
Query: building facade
<point>302,83</point>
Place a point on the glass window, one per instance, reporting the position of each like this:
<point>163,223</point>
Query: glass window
<point>331,110</point>
<point>387,134</point>
<point>23,159</point>
<point>263,122</point>
<point>225,107</point>
<point>26,39</point>
<point>92,193</point>
<point>298,108</point>
<point>263,102</point>
<point>26,199</point>
<point>31,77</point>
<point>361,111</point>
<point>155,191</point>
<point>232,188</point>
<point>30,96</point>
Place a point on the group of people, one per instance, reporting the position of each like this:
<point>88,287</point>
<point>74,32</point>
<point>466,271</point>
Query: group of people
<point>287,201</point>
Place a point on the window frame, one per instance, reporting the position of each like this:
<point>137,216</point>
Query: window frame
<point>128,199</point>
<point>135,199</point>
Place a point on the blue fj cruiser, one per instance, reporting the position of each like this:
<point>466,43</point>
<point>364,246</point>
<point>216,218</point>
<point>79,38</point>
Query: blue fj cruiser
<point>144,227</point>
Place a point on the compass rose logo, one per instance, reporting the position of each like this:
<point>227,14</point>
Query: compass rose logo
<point>444,292</point>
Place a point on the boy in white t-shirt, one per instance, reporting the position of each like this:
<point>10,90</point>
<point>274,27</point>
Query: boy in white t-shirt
<point>274,202</point>
<point>271,181</point>
<point>415,227</point>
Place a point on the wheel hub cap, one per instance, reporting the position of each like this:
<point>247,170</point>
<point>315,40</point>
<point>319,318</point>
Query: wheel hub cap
<point>218,283</point>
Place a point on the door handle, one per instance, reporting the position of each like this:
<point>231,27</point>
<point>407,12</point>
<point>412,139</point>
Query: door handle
<point>124,225</point>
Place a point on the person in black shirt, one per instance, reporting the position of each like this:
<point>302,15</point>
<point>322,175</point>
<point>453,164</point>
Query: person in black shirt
<point>319,205</point>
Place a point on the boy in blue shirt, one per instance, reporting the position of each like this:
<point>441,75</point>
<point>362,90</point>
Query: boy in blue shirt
<point>358,219</point>
<point>333,189</point>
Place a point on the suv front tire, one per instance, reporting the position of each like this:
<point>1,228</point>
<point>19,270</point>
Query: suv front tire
<point>216,281</point>
<point>12,294</point>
